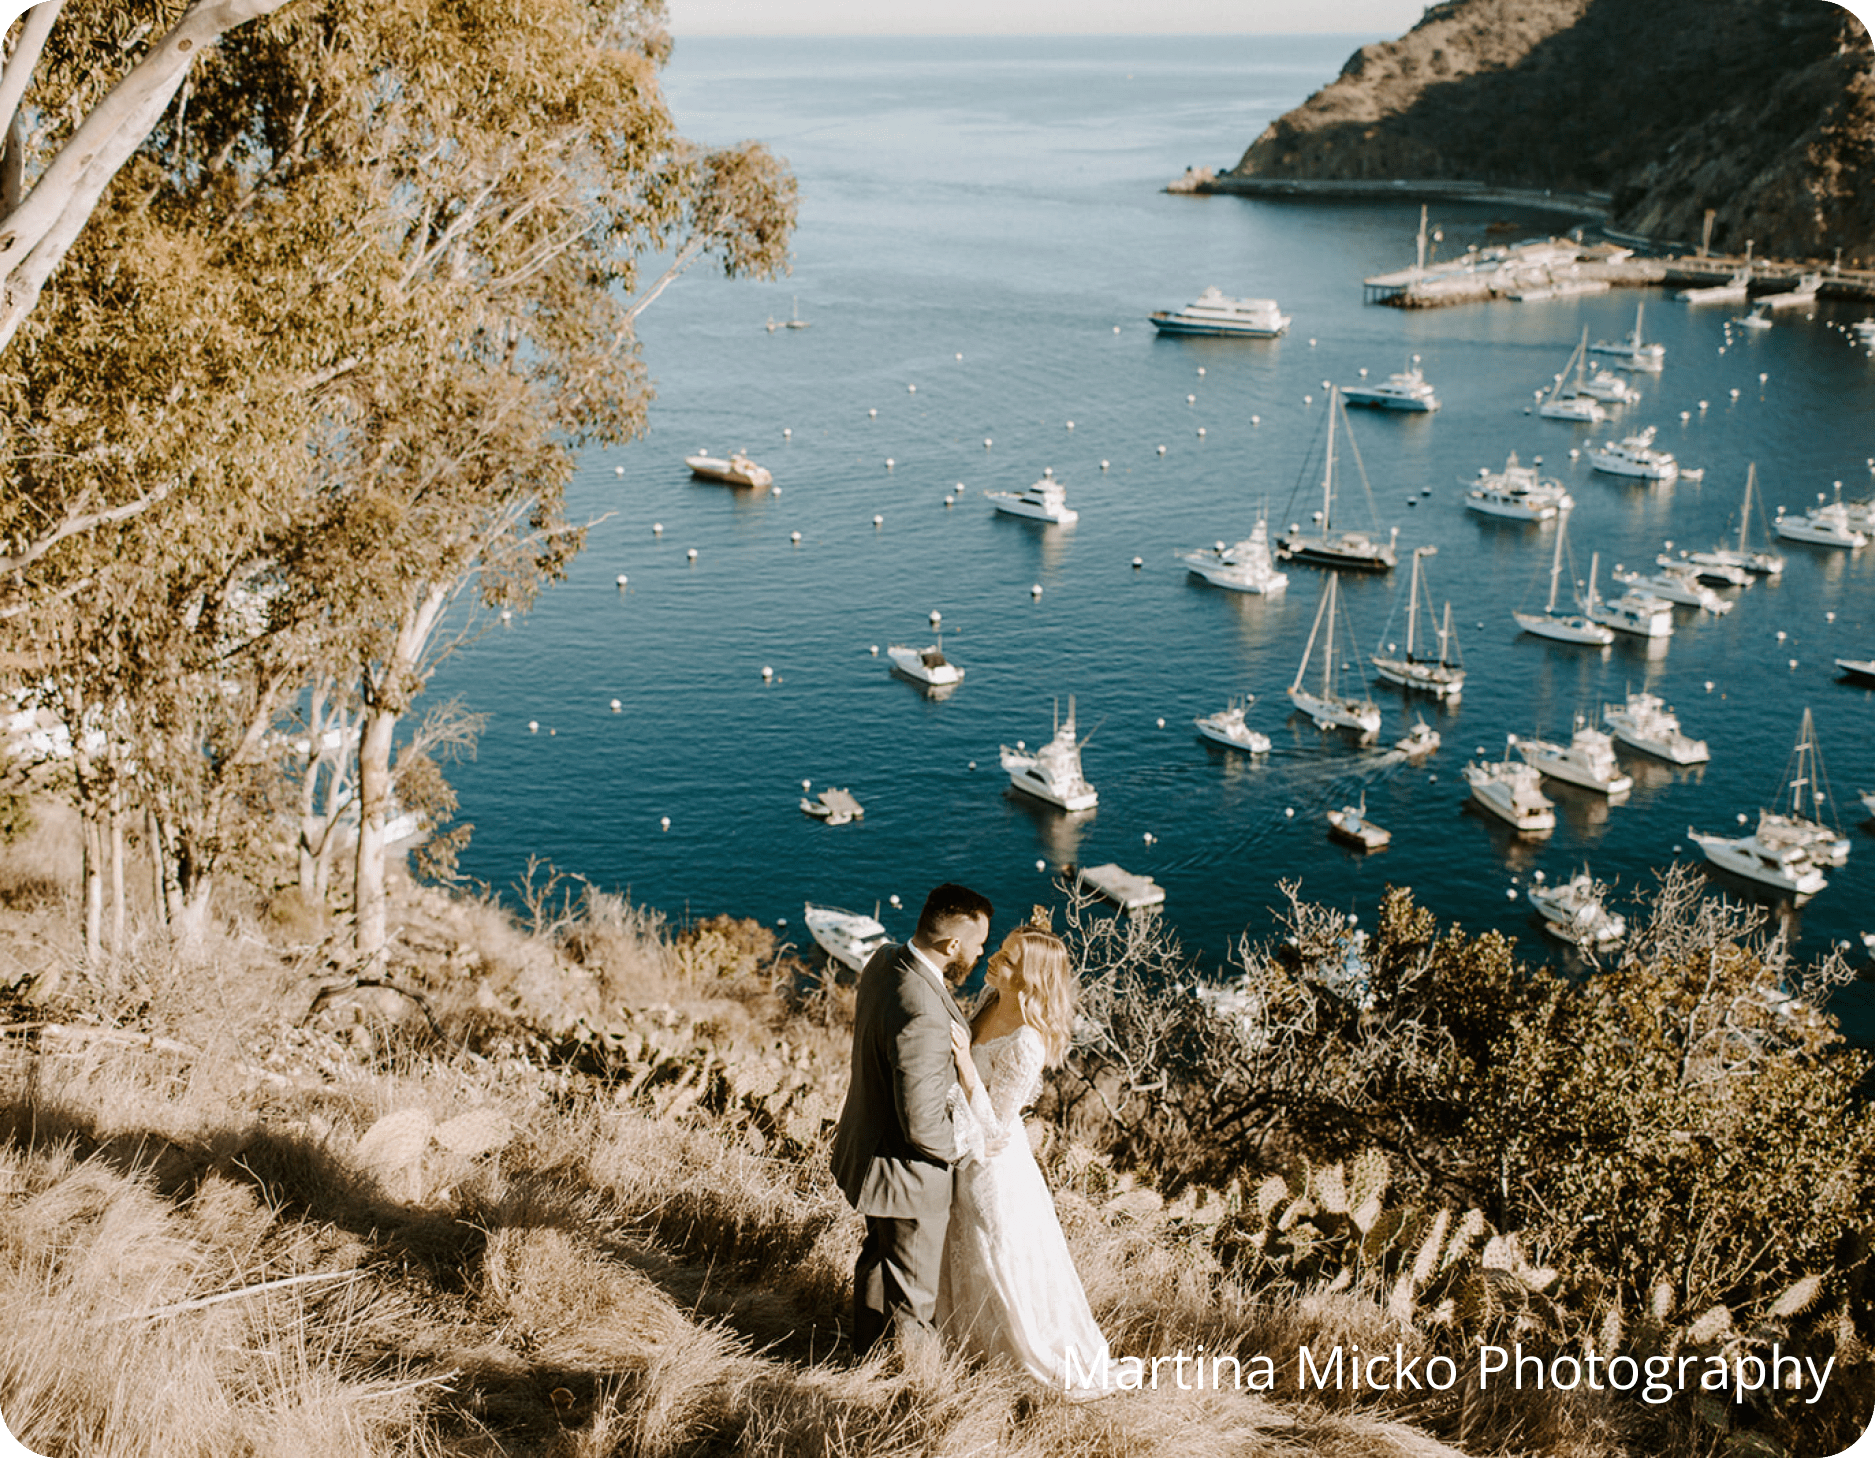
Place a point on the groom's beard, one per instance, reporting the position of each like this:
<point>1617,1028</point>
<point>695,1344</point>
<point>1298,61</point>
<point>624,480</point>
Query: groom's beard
<point>957,969</point>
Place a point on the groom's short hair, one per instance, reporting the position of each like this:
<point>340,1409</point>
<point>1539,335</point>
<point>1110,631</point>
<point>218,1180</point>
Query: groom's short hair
<point>948,905</point>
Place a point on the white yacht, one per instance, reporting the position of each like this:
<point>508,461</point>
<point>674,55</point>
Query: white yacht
<point>1758,318</point>
<point>1573,910</point>
<point>1734,290</point>
<point>1329,709</point>
<point>1645,723</point>
<point>1867,797</point>
<point>1046,500</point>
<point>1566,399</point>
<point>1518,492</point>
<point>1214,314</point>
<point>1782,867</point>
<point>1439,676</point>
<point>1636,612</point>
<point>1227,726</point>
<point>737,470</point>
<point>1574,627</point>
<point>1675,583</point>
<point>1512,793</point>
<point>1631,352</point>
<point>1634,455</point>
<point>1350,823</point>
<point>1403,390</point>
<point>1588,760</point>
<point>1422,739</point>
<point>1802,803</point>
<point>1329,547</point>
<point>1607,386</point>
<point>846,936</point>
<point>1857,667</point>
<point>925,665</point>
<point>1053,772</point>
<point>1826,526</point>
<point>1244,566</point>
<point>1707,567</point>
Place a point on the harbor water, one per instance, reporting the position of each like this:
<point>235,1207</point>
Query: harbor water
<point>983,233</point>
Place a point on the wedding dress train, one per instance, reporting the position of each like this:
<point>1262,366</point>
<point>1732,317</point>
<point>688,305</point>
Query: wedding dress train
<point>1008,1285</point>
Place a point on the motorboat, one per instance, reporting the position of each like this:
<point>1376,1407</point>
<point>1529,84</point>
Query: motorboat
<point>1802,296</point>
<point>835,807</point>
<point>1634,455</point>
<point>1422,739</point>
<point>1644,722</point>
<point>1227,726</point>
<point>1826,526</point>
<point>1244,566</point>
<point>1046,500</point>
<point>848,937</point>
<point>1863,668</point>
<point>1350,823</point>
<point>1329,709</point>
<point>1610,388</point>
<point>1867,797</point>
<point>1734,290</point>
<point>1518,492</point>
<point>1635,612</point>
<point>1402,390</point>
<point>1129,890</point>
<point>1706,567</point>
<point>737,470</point>
<point>1588,760</point>
<point>1631,352</point>
<point>794,321</point>
<point>1783,867</point>
<point>1512,792</point>
<point>1573,911</point>
<point>1211,313</point>
<point>1758,318</point>
<point>1574,627</point>
<point>1569,401</point>
<point>1329,547</point>
<point>1439,676</point>
<point>1053,772</point>
<point>1675,584</point>
<point>925,665</point>
<point>1802,802</point>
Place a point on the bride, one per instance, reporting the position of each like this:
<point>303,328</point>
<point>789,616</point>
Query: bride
<point>1008,1285</point>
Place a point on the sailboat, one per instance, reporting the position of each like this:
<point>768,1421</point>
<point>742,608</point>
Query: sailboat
<point>1799,820</point>
<point>1328,709</point>
<point>1564,627</point>
<point>1575,404</point>
<point>1329,547</point>
<point>1631,353</point>
<point>1765,564</point>
<point>1434,676</point>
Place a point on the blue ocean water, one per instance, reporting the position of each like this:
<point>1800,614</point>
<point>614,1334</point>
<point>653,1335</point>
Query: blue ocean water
<point>982,236</point>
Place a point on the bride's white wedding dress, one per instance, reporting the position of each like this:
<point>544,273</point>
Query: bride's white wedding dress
<point>1008,1285</point>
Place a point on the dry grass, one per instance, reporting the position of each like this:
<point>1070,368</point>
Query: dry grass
<point>523,1260</point>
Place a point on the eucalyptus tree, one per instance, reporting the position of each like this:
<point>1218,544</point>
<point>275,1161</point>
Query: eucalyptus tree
<point>416,231</point>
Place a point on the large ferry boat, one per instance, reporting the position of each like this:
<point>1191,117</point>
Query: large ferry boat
<point>1214,314</point>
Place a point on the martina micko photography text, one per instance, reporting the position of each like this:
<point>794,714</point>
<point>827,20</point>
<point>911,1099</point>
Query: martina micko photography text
<point>1654,1379</point>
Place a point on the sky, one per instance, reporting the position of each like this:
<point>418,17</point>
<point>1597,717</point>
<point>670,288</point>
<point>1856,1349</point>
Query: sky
<point>1040,17</point>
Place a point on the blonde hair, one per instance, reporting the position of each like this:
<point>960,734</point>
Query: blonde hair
<point>1044,980</point>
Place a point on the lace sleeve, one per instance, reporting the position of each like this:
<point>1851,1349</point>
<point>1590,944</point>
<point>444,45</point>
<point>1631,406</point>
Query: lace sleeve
<point>1016,1077</point>
<point>978,1135</point>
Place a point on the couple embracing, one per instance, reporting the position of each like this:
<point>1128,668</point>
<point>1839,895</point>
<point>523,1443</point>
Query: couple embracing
<point>961,1232</point>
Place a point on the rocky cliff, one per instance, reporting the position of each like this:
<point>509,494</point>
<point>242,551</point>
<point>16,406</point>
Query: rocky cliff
<point>1762,110</point>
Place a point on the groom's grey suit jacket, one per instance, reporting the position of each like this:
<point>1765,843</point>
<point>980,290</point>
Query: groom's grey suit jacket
<point>893,1146</point>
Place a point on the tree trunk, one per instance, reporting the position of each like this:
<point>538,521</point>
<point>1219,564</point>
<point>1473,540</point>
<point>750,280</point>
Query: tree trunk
<point>118,948</point>
<point>374,798</point>
<point>93,837</point>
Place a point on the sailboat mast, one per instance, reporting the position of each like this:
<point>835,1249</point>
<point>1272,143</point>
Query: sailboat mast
<point>1412,606</point>
<point>1555,568</point>
<point>1744,512</point>
<point>1309,652</point>
<point>1445,634</point>
<point>1595,562</point>
<point>1328,468</point>
<point>1636,341</point>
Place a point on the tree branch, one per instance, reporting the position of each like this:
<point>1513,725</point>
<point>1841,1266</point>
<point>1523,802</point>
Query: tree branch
<point>73,525</point>
<point>19,66</point>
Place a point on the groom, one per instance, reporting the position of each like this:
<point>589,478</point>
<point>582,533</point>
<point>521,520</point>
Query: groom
<point>894,1147</point>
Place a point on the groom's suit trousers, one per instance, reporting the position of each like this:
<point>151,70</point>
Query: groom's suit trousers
<point>895,1281</point>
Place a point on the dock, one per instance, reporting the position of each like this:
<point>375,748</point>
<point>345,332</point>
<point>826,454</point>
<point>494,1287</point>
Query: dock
<point>1130,891</point>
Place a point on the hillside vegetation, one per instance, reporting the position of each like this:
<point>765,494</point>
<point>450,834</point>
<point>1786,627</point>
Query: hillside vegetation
<point>555,1182</point>
<point>1761,110</point>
